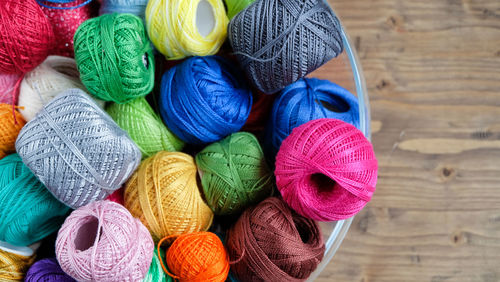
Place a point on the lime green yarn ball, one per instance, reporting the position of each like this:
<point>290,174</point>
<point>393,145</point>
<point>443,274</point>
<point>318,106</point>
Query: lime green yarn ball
<point>156,273</point>
<point>28,211</point>
<point>145,127</point>
<point>234,173</point>
<point>114,57</point>
<point>236,6</point>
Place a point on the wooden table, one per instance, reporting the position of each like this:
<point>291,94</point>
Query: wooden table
<point>433,74</point>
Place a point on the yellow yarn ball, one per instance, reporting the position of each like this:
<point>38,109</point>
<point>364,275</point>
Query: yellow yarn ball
<point>163,193</point>
<point>13,266</point>
<point>179,28</point>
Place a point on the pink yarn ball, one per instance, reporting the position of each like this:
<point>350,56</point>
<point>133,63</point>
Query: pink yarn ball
<point>103,242</point>
<point>326,170</point>
<point>9,84</point>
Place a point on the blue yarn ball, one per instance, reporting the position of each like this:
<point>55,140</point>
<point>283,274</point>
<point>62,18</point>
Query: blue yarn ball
<point>134,7</point>
<point>28,211</point>
<point>204,99</point>
<point>305,100</point>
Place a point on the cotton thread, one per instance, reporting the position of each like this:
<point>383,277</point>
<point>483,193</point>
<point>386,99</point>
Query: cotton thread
<point>117,197</point>
<point>236,6</point>
<point>199,256</point>
<point>234,173</point>
<point>47,270</point>
<point>134,7</point>
<point>270,242</point>
<point>305,34</point>
<point>259,115</point>
<point>10,126</point>
<point>156,273</point>
<point>163,193</point>
<point>173,28</point>
<point>28,212</point>
<point>114,57</point>
<point>326,170</point>
<point>209,87</point>
<point>305,100</point>
<point>77,150</point>
<point>103,242</point>
<point>145,127</point>
<point>9,88</point>
<point>13,266</point>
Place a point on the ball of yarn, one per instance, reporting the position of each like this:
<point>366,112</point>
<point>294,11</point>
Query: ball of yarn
<point>202,100</point>
<point>117,197</point>
<point>305,100</point>
<point>145,127</point>
<point>9,84</point>
<point>45,82</point>
<point>156,273</point>
<point>270,242</point>
<point>182,28</point>
<point>305,34</point>
<point>103,242</point>
<point>114,57</point>
<point>28,212</point>
<point>13,266</point>
<point>47,270</point>
<point>163,193</point>
<point>260,112</point>
<point>26,36</point>
<point>11,123</point>
<point>234,173</point>
<point>134,7</point>
<point>326,170</point>
<point>66,16</point>
<point>198,256</point>
<point>236,6</point>
<point>77,150</point>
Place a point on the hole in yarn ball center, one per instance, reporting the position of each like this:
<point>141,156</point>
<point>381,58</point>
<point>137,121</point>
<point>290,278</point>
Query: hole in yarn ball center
<point>305,234</point>
<point>323,183</point>
<point>85,238</point>
<point>145,60</point>
<point>337,106</point>
<point>205,19</point>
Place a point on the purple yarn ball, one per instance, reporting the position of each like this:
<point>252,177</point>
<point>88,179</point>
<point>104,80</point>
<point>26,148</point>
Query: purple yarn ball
<point>47,270</point>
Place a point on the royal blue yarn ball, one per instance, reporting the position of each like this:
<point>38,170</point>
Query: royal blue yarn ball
<point>305,100</point>
<point>204,99</point>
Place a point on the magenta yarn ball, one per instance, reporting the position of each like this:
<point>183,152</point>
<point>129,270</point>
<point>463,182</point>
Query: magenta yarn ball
<point>326,170</point>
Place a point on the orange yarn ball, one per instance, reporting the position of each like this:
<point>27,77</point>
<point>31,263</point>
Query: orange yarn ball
<point>9,129</point>
<point>198,256</point>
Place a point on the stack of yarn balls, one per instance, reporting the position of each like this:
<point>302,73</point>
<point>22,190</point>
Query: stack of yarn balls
<point>219,166</point>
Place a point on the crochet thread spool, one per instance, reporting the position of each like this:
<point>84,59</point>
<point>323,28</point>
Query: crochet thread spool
<point>270,242</point>
<point>9,88</point>
<point>305,100</point>
<point>156,273</point>
<point>103,242</point>
<point>114,57</point>
<point>208,87</point>
<point>47,270</point>
<point>77,150</point>
<point>163,193</point>
<point>234,173</point>
<point>28,212</point>
<point>199,256</point>
<point>236,6</point>
<point>45,82</point>
<point>182,28</point>
<point>326,170</point>
<point>134,7</point>
<point>10,126</point>
<point>145,127</point>
<point>25,41</point>
<point>305,35</point>
<point>14,261</point>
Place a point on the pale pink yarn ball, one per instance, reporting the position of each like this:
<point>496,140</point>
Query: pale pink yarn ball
<point>103,242</point>
<point>9,83</point>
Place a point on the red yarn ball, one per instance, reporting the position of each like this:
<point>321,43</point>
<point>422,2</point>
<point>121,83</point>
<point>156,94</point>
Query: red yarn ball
<point>326,170</point>
<point>26,36</point>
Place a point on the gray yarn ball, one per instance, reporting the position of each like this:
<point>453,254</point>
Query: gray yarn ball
<point>278,42</point>
<point>134,7</point>
<point>77,150</point>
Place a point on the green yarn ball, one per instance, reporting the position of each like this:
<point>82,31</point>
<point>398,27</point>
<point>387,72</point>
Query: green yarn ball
<point>236,6</point>
<point>114,57</point>
<point>234,173</point>
<point>145,127</point>
<point>156,273</point>
<point>28,211</point>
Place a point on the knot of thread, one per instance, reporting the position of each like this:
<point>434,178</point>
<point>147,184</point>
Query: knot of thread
<point>305,100</point>
<point>26,36</point>
<point>134,7</point>
<point>77,150</point>
<point>13,267</point>
<point>272,243</point>
<point>326,170</point>
<point>234,173</point>
<point>209,87</point>
<point>156,273</point>
<point>145,127</point>
<point>236,6</point>
<point>11,123</point>
<point>163,193</point>
<point>28,212</point>
<point>305,34</point>
<point>174,28</point>
<point>9,84</point>
<point>103,242</point>
<point>47,270</point>
<point>114,57</point>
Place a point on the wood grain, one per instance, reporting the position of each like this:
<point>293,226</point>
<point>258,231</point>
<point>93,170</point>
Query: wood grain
<point>432,69</point>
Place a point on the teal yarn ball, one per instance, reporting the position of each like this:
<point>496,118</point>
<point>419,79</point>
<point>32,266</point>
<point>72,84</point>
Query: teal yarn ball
<point>156,273</point>
<point>114,57</point>
<point>234,173</point>
<point>28,211</point>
